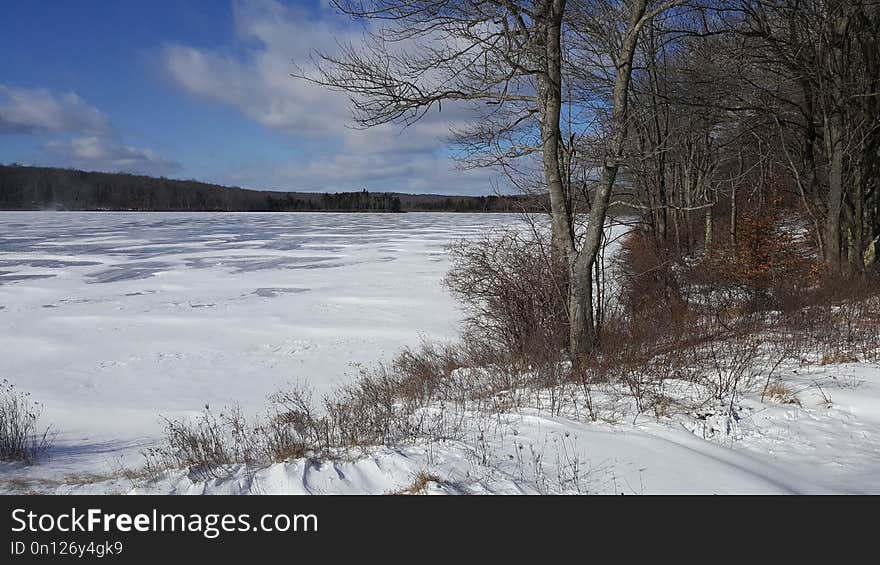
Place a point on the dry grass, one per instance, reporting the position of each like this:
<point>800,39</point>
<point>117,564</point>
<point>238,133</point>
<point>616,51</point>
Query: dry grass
<point>419,485</point>
<point>21,436</point>
<point>382,407</point>
<point>42,485</point>
<point>780,392</point>
<point>838,357</point>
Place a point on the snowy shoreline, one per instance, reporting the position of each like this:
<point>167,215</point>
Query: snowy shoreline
<point>112,324</point>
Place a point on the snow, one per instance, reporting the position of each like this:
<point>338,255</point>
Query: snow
<point>774,448</point>
<point>111,319</point>
<point>114,319</point>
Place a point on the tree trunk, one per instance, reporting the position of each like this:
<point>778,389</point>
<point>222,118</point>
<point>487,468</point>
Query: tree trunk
<point>835,144</point>
<point>708,229</point>
<point>583,332</point>
<point>733,211</point>
<point>834,147</point>
<point>550,106</point>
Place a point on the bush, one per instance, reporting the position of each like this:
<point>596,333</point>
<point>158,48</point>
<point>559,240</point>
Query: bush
<point>212,446</point>
<point>771,263</point>
<point>379,408</point>
<point>422,395</point>
<point>514,297</point>
<point>656,300</point>
<point>21,438</point>
<point>836,323</point>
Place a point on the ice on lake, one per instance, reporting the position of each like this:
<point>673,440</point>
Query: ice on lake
<point>112,319</point>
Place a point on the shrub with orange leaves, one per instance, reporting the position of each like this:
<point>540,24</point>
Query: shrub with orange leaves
<point>771,260</point>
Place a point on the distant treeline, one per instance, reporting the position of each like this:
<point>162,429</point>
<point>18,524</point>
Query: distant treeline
<point>42,188</point>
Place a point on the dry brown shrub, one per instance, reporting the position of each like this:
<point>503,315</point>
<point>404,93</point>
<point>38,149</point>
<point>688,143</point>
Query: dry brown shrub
<point>21,436</point>
<point>513,295</point>
<point>781,393</point>
<point>419,485</point>
<point>770,261</point>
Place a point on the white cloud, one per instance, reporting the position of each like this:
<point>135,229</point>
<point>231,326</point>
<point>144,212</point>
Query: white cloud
<point>255,79</point>
<point>106,154</point>
<point>376,172</point>
<point>38,111</point>
<point>81,135</point>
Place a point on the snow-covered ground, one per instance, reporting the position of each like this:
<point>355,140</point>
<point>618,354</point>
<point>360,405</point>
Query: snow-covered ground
<point>827,441</point>
<point>111,320</point>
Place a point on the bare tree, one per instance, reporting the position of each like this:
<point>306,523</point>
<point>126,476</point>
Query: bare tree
<point>508,56</point>
<point>823,60</point>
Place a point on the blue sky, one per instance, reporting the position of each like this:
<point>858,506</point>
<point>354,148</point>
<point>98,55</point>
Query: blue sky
<point>201,89</point>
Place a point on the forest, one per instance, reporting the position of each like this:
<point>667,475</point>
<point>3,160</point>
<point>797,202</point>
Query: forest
<point>43,188</point>
<point>732,128</point>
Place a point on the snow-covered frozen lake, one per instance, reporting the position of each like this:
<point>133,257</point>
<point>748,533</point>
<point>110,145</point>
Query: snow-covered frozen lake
<point>111,319</point>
